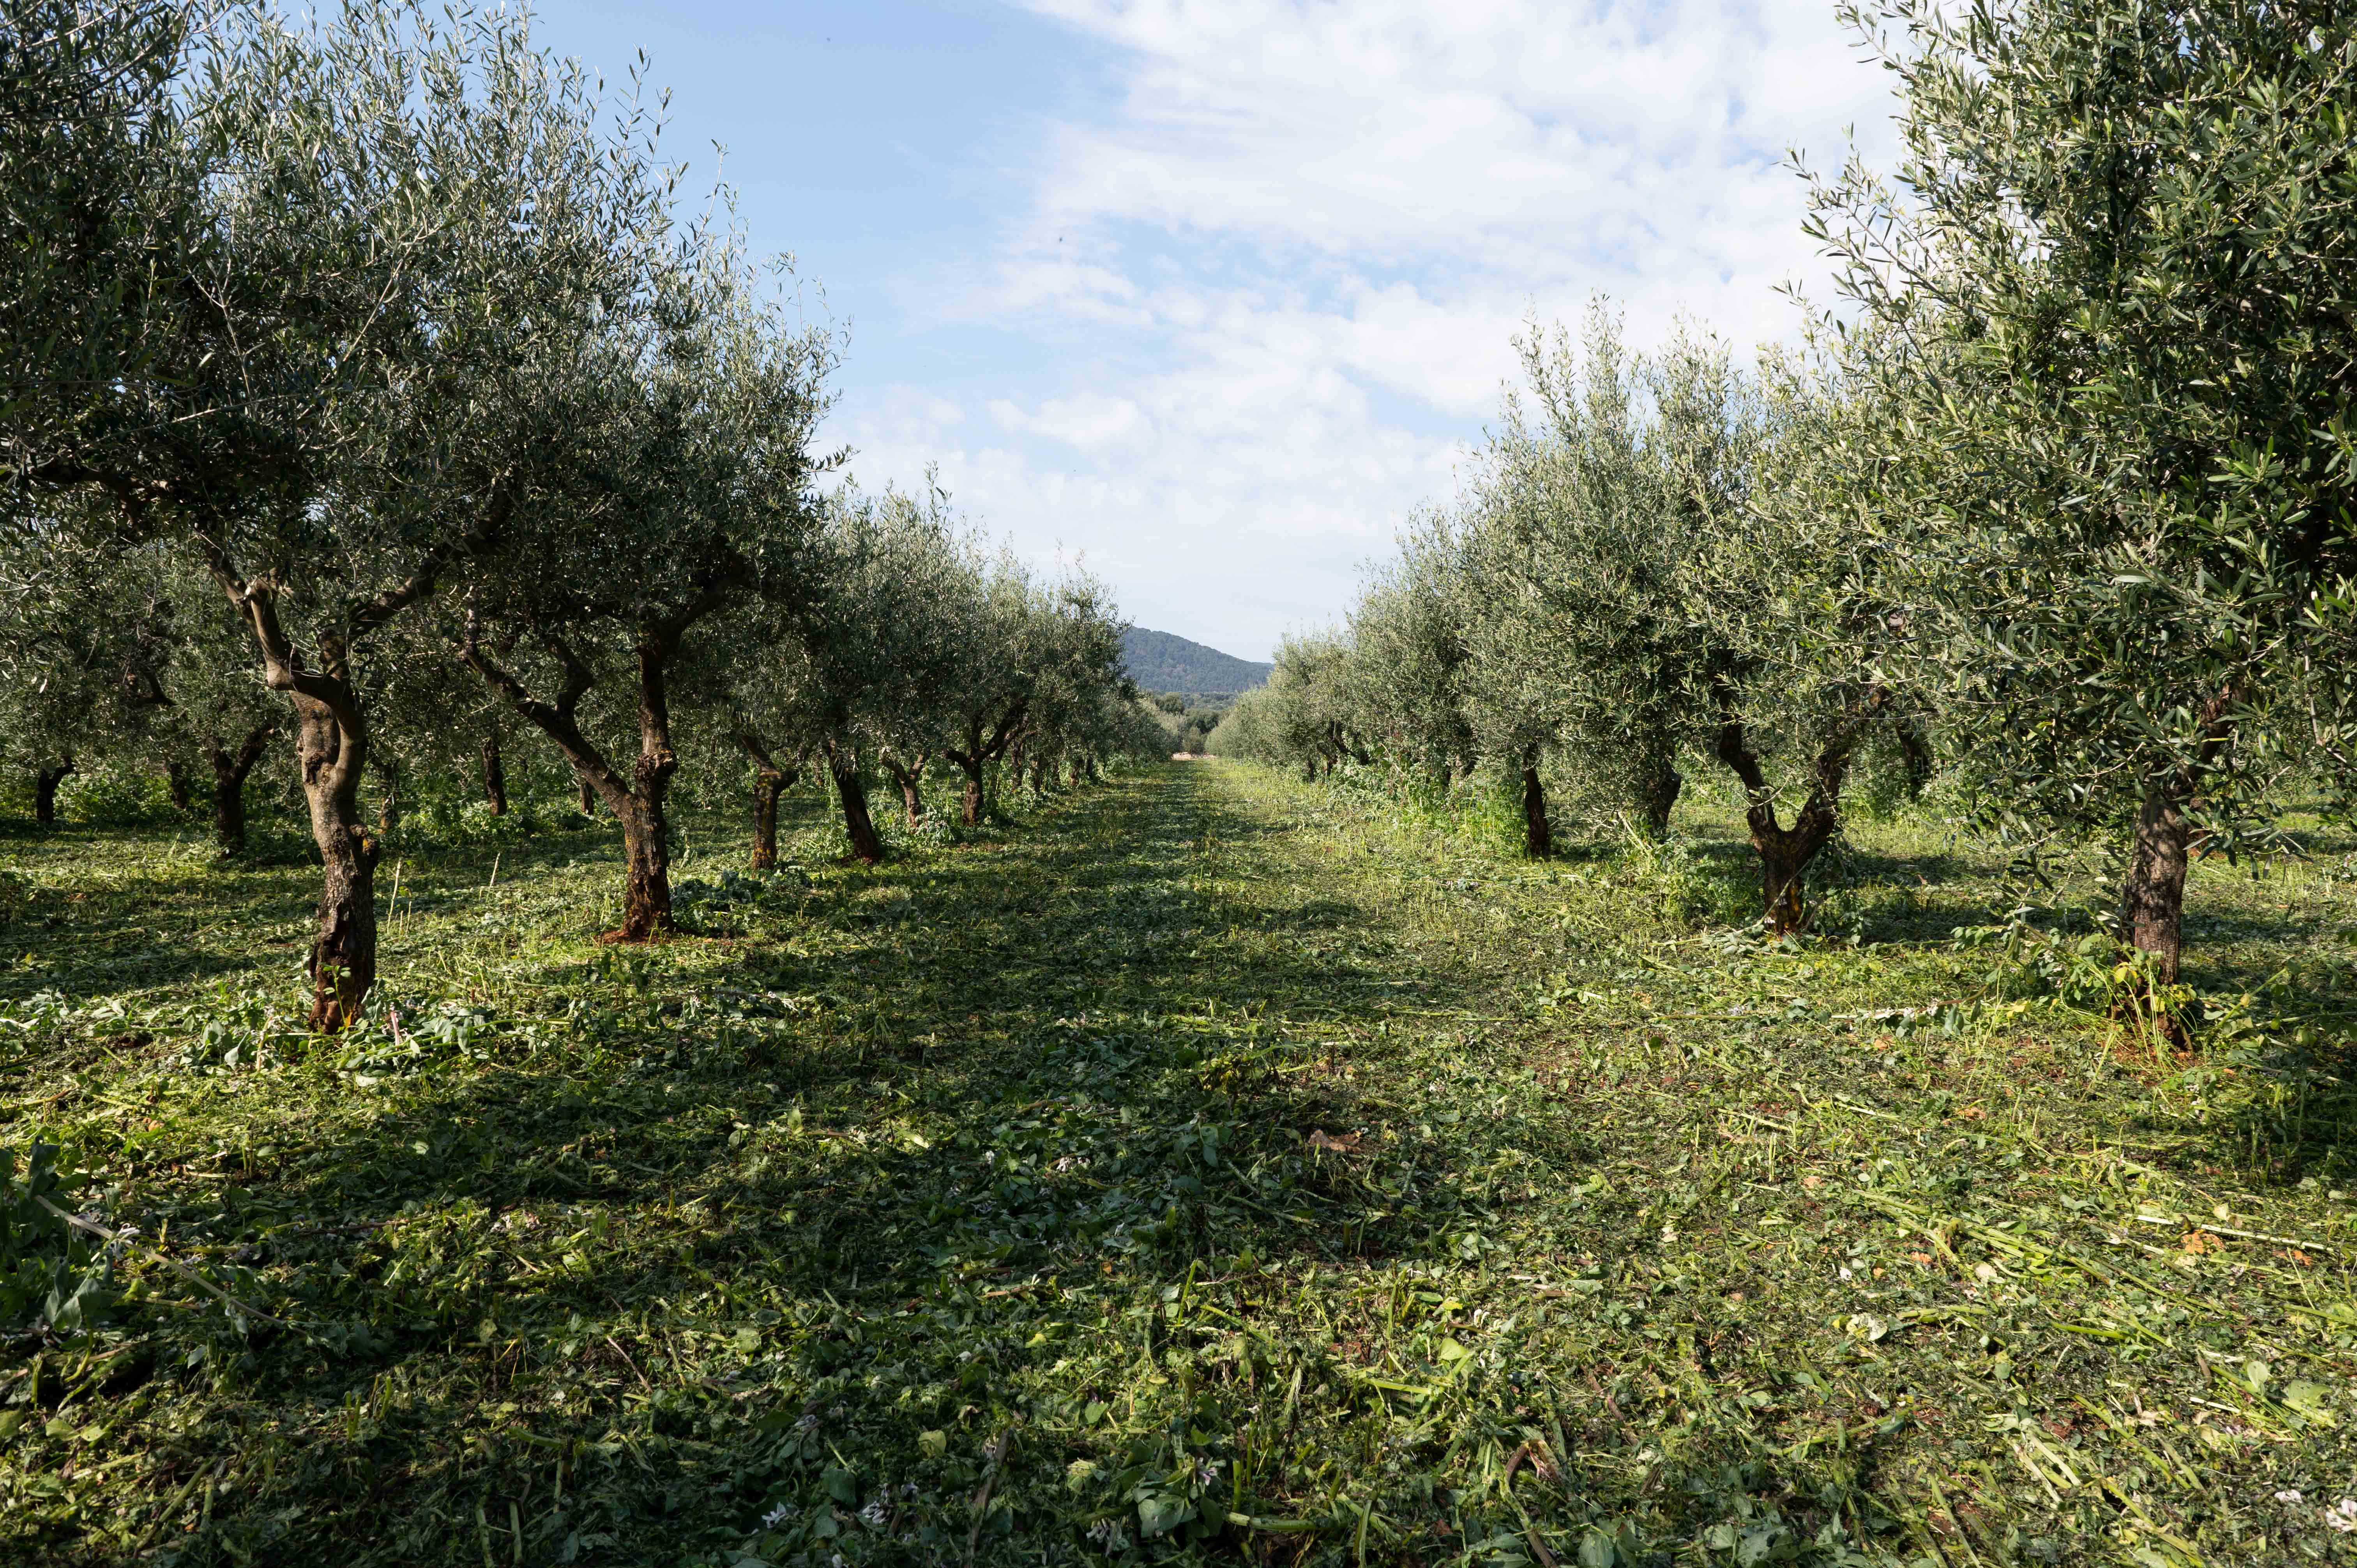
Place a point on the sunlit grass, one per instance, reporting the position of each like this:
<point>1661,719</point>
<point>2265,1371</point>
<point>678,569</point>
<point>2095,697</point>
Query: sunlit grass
<point>1213,1165</point>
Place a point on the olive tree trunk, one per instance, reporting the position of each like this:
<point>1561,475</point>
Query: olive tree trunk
<point>1785,853</point>
<point>970,797</point>
<point>770,781</point>
<point>637,799</point>
<point>44,791</point>
<point>910,777</point>
<point>2153,893</point>
<point>984,745</point>
<point>851,789</point>
<point>1538,833</point>
<point>495,776</point>
<point>332,747</point>
<point>1658,787</point>
<point>230,771</point>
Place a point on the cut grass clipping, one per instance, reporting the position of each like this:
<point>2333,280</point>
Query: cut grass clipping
<point>1218,1167</point>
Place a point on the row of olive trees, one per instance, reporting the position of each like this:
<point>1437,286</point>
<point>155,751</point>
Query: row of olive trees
<point>346,356</point>
<point>2064,503</point>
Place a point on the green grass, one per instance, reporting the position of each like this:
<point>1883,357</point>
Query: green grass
<point>1218,1166</point>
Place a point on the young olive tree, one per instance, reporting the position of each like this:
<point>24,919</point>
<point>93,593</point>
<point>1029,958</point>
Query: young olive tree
<point>1649,576</point>
<point>1076,671</point>
<point>2108,319</point>
<point>1510,688</point>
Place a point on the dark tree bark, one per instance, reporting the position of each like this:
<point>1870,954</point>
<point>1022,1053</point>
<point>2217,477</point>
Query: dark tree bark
<point>180,784</point>
<point>910,777</point>
<point>2154,890</point>
<point>770,781</point>
<point>637,799</point>
<point>842,766</point>
<point>1658,788</point>
<point>1538,833</point>
<point>983,747</point>
<point>495,774</point>
<point>2153,894</point>
<point>332,745</point>
<point>585,796</point>
<point>44,791</point>
<point>1785,853</point>
<point>230,771</point>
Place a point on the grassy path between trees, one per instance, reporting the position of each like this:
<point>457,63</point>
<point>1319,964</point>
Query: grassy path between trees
<point>1215,1168</point>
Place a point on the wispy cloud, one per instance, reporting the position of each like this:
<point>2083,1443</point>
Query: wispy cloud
<point>1275,280</point>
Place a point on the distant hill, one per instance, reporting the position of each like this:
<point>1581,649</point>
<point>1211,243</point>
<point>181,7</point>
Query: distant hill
<point>1160,663</point>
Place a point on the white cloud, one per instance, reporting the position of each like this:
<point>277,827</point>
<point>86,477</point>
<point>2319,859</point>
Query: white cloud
<point>1283,271</point>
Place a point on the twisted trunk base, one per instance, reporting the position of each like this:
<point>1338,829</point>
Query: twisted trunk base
<point>1538,833</point>
<point>44,791</point>
<point>866,845</point>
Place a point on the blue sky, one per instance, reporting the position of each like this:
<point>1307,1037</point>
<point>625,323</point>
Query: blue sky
<point>1208,295</point>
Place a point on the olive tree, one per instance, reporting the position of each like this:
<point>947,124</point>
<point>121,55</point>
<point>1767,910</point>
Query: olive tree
<point>680,484</point>
<point>2107,311</point>
<point>1582,560</point>
<point>1408,669</point>
<point>1032,656</point>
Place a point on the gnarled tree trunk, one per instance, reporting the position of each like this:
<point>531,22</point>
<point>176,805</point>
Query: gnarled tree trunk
<point>1538,833</point>
<point>842,766</point>
<point>646,854</point>
<point>585,796</point>
<point>770,781</point>
<point>1658,787</point>
<point>230,771</point>
<point>44,791</point>
<point>180,784</point>
<point>638,800</point>
<point>343,948</point>
<point>1785,853</point>
<point>910,777</point>
<point>495,776</point>
<point>331,746</point>
<point>980,750</point>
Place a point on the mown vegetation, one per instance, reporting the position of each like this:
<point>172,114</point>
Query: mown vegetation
<point>1213,1165</point>
<point>1788,1002</point>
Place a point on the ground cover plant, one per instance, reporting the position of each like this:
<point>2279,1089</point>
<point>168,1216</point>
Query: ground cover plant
<point>1214,1164</point>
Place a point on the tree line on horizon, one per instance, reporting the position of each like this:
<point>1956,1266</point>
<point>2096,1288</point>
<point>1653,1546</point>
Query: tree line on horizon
<point>2055,506</point>
<point>372,402</point>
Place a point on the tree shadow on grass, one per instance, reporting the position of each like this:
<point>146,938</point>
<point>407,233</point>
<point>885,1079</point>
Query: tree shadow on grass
<point>1039,1094</point>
